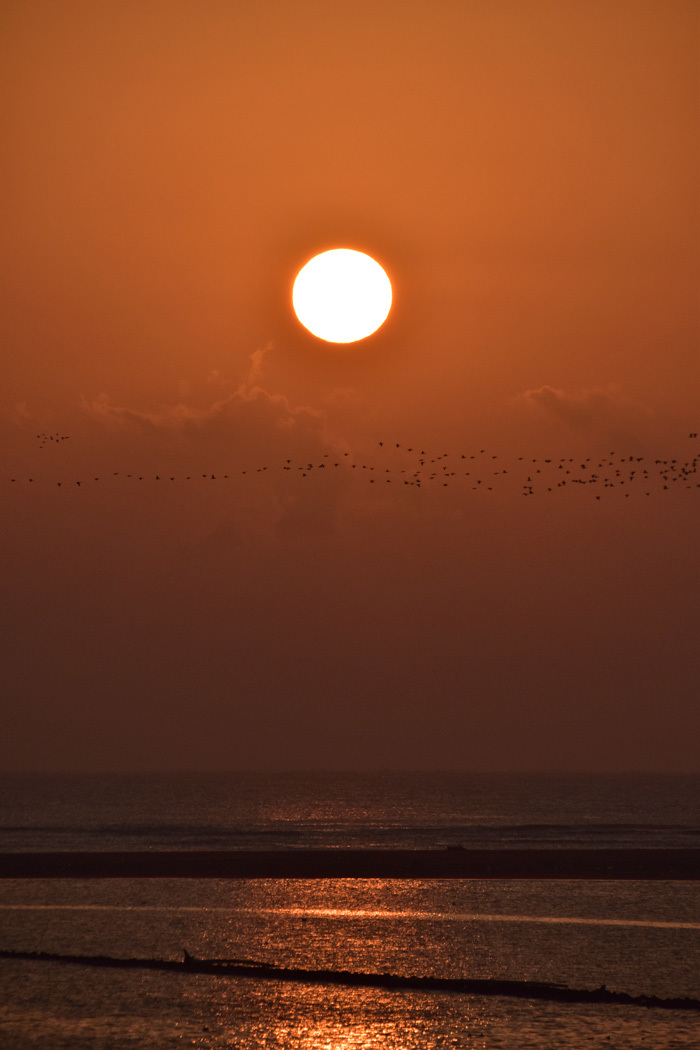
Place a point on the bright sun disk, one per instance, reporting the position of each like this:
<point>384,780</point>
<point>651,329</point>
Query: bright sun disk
<point>342,295</point>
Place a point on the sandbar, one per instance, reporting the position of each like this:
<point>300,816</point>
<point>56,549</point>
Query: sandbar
<point>676,864</point>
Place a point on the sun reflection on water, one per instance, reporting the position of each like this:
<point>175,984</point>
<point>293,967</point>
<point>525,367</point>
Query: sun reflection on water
<point>633,937</point>
<point>305,1017</point>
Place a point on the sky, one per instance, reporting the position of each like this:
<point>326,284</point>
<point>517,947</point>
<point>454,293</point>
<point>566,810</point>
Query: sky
<point>468,542</point>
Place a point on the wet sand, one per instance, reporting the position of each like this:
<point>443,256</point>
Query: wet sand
<point>360,864</point>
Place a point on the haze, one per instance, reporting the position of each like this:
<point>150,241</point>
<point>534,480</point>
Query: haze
<point>527,172</point>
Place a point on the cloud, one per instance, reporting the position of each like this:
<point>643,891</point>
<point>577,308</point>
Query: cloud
<point>593,413</point>
<point>251,428</point>
<point>249,404</point>
<point>21,412</point>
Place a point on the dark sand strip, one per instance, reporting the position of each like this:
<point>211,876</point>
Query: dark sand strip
<point>360,864</point>
<point>466,986</point>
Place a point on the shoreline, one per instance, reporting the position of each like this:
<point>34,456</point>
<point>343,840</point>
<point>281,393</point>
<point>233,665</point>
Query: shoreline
<point>628,864</point>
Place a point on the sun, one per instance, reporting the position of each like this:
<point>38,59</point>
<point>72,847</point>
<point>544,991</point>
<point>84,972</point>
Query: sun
<point>342,295</point>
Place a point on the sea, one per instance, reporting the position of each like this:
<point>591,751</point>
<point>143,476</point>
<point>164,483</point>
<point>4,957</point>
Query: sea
<point>640,937</point>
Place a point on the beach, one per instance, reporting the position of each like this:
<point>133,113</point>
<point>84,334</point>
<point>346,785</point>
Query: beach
<point>635,864</point>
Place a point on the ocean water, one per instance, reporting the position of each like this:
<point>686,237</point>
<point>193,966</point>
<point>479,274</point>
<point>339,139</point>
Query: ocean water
<point>638,937</point>
<point>265,811</point>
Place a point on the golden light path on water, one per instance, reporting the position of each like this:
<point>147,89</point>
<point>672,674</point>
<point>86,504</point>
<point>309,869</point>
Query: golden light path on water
<point>351,913</point>
<point>636,937</point>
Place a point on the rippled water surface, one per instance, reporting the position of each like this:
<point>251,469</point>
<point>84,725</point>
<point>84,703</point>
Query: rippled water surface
<point>636,937</point>
<point>397,810</point>
<point>632,936</point>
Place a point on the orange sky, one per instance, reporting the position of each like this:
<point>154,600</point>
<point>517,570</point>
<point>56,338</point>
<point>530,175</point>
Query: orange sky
<point>527,172</point>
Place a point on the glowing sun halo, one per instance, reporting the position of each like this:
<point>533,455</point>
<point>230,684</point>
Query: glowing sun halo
<point>342,295</point>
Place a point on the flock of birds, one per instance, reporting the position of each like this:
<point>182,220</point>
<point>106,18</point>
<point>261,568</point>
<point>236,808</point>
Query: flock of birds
<point>481,470</point>
<point>45,439</point>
